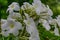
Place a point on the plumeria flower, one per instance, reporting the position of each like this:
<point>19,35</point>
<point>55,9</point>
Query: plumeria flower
<point>58,20</point>
<point>11,26</point>
<point>31,28</point>
<point>14,6</point>
<point>56,31</point>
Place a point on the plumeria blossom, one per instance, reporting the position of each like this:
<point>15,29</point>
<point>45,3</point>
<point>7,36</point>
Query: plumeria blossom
<point>14,6</point>
<point>11,26</point>
<point>31,28</point>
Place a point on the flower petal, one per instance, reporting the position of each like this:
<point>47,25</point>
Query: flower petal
<point>46,25</point>
<point>56,31</point>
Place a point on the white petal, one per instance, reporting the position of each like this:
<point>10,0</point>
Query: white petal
<point>37,2</point>
<point>38,11</point>
<point>27,16</point>
<point>18,25</point>
<point>31,28</point>
<point>16,15</point>
<point>58,20</point>
<point>16,7</point>
<point>33,33</point>
<point>5,33</point>
<point>46,25</point>
<point>49,11</point>
<point>5,26</point>
<point>14,31</point>
<point>13,6</point>
<point>56,31</point>
<point>9,10</point>
<point>3,21</point>
<point>39,6</point>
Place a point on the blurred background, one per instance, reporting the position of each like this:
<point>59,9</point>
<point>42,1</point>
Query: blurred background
<point>53,4</point>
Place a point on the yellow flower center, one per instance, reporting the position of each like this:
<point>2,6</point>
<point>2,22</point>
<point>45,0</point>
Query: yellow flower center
<point>28,22</point>
<point>11,26</point>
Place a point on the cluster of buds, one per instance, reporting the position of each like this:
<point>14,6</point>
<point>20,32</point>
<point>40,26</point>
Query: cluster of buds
<point>28,16</point>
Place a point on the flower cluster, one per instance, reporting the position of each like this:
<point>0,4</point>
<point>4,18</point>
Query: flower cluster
<point>29,16</point>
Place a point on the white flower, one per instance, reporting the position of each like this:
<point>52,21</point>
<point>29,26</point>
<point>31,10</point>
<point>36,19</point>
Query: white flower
<point>58,20</point>
<point>39,7</point>
<point>56,31</point>
<point>49,11</point>
<point>31,28</point>
<point>11,26</point>
<point>13,6</point>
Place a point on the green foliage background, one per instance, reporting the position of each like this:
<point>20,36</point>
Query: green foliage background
<point>44,35</point>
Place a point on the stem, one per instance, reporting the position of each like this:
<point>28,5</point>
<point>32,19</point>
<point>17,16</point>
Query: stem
<point>22,31</point>
<point>3,38</point>
<point>8,38</point>
<point>24,37</point>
